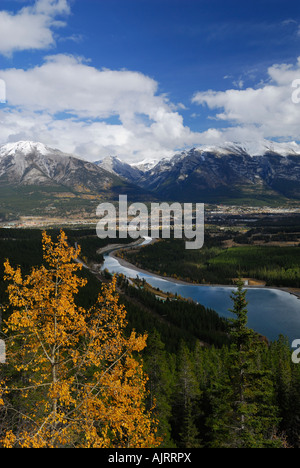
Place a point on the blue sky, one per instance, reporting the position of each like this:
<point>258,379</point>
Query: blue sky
<point>142,79</point>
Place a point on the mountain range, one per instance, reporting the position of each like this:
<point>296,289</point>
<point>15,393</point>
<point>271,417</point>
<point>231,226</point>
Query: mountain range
<point>36,179</point>
<point>260,173</point>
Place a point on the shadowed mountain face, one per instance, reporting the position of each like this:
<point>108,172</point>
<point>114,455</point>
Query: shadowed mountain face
<point>28,163</point>
<point>36,179</point>
<point>228,174</point>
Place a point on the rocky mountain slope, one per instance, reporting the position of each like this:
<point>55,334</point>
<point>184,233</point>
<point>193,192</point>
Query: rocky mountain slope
<point>120,168</point>
<point>34,176</point>
<point>264,172</point>
<point>29,163</point>
<point>36,179</point>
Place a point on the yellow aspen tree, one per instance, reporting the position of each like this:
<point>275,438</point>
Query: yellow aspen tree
<point>76,380</point>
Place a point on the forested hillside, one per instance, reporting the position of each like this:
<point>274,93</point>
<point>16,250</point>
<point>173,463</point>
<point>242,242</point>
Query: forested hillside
<point>214,383</point>
<point>217,264</point>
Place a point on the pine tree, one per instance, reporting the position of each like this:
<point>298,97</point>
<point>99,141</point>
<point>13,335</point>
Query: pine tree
<point>186,404</point>
<point>286,377</point>
<point>246,414</point>
<point>160,384</point>
<point>73,378</point>
<point>189,436</point>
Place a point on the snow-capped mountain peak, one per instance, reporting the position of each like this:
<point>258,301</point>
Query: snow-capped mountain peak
<point>109,163</point>
<point>30,162</point>
<point>254,148</point>
<point>24,147</point>
<point>116,166</point>
<point>230,170</point>
<point>146,164</point>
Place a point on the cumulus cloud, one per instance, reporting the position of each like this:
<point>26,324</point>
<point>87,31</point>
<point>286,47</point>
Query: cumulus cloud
<point>31,27</point>
<point>68,84</point>
<point>267,111</point>
<point>67,102</point>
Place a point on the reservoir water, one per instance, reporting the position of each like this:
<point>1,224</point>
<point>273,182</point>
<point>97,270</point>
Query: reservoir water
<point>271,311</point>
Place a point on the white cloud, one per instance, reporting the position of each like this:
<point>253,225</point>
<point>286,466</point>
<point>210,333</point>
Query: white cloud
<point>31,27</point>
<point>266,111</point>
<point>238,84</point>
<point>68,84</point>
<point>51,7</point>
<point>92,140</point>
<point>67,102</point>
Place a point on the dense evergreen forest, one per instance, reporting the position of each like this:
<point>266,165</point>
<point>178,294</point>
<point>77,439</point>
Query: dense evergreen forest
<point>216,264</point>
<point>199,366</point>
<point>214,382</point>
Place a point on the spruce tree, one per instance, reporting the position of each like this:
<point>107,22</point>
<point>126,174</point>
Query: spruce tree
<point>160,386</point>
<point>246,414</point>
<point>286,377</point>
<point>186,404</point>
